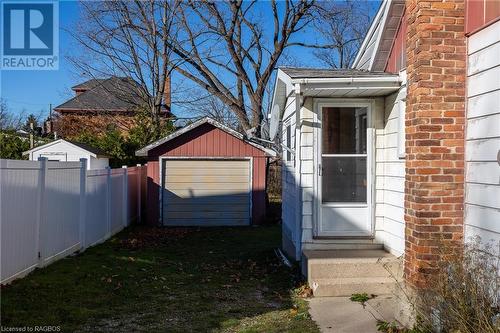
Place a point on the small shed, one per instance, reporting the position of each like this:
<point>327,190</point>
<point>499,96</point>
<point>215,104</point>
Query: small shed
<point>206,174</point>
<point>68,151</point>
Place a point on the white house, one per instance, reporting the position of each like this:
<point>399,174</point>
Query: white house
<point>397,156</point>
<point>66,151</point>
<point>342,176</point>
<point>330,186</point>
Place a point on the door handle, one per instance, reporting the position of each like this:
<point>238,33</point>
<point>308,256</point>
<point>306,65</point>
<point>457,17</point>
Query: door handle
<point>320,170</point>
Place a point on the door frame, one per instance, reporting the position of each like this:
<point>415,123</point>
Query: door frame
<point>319,104</point>
<point>162,165</point>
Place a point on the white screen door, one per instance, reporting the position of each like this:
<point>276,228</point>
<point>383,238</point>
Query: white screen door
<point>344,176</point>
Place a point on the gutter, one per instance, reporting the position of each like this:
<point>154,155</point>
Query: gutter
<point>365,79</point>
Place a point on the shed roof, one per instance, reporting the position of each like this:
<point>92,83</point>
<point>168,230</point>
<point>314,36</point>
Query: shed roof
<point>94,152</point>
<point>206,120</point>
<point>89,148</point>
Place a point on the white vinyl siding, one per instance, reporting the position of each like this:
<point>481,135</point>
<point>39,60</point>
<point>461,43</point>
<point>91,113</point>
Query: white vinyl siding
<point>306,164</point>
<point>366,57</point>
<point>482,188</point>
<point>288,194</point>
<point>206,192</point>
<point>390,177</point>
<point>98,163</point>
<point>288,142</point>
<point>401,128</point>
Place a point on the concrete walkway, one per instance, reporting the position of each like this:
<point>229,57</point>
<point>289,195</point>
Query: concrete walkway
<point>341,315</point>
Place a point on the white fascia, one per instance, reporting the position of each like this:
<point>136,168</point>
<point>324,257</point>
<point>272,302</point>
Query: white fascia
<point>351,80</point>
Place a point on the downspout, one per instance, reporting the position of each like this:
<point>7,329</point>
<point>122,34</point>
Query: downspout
<point>298,178</point>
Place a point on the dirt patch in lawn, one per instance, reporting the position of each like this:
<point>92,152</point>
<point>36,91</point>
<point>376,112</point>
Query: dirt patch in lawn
<point>171,280</point>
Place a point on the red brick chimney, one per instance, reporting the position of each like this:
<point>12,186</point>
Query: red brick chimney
<point>435,117</point>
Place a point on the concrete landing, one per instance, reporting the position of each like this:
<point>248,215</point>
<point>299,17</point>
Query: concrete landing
<point>345,272</point>
<point>341,315</point>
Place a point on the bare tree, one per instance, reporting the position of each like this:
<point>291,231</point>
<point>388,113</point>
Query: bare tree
<point>226,49</point>
<point>343,26</point>
<point>210,106</point>
<point>129,38</point>
<point>10,120</point>
<point>4,114</point>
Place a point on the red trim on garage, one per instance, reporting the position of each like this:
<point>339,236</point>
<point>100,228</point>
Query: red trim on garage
<point>153,194</point>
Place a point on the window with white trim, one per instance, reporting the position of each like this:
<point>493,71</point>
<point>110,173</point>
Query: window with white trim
<point>401,128</point>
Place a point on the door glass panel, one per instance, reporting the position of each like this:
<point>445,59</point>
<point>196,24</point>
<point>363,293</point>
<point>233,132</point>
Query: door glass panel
<point>344,179</point>
<point>344,130</point>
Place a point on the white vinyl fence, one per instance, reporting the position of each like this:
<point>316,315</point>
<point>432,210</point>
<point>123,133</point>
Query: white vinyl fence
<point>49,210</point>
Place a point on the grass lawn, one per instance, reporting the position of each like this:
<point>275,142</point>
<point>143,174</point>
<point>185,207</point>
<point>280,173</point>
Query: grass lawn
<point>174,280</point>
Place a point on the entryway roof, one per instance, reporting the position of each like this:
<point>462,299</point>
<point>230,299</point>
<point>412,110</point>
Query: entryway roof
<point>331,83</point>
<point>340,82</point>
<point>303,73</point>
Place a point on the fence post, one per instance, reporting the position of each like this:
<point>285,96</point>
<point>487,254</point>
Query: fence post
<point>139,190</point>
<point>125,196</point>
<point>40,209</point>
<point>83,202</point>
<point>108,202</point>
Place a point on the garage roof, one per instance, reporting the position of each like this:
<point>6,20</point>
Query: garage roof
<point>206,120</point>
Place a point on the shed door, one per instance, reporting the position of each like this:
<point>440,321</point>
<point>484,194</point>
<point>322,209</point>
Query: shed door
<point>206,192</point>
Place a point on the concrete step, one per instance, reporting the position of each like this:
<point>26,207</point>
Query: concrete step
<point>351,263</point>
<point>344,272</point>
<point>337,245</point>
<point>341,270</point>
<point>348,286</point>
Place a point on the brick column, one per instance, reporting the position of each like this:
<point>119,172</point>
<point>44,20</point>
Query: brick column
<point>435,117</point>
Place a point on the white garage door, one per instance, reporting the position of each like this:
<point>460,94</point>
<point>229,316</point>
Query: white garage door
<point>206,192</point>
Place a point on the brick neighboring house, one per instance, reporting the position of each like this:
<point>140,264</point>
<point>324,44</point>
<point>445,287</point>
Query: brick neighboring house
<point>99,104</point>
<point>398,153</point>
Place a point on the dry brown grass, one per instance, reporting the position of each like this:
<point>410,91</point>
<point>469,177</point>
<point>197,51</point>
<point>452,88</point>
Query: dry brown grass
<point>464,294</point>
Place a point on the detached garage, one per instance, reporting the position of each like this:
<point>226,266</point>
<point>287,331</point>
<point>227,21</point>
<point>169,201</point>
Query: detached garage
<point>206,174</point>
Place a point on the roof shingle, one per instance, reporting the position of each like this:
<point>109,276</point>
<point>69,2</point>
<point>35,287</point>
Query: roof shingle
<point>88,84</point>
<point>99,152</point>
<point>112,94</point>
